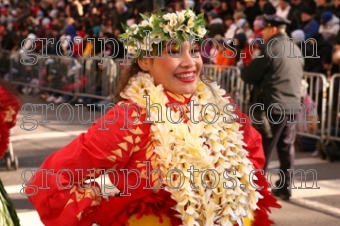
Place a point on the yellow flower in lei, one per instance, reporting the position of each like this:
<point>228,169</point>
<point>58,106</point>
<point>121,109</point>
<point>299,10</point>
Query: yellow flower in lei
<point>215,149</point>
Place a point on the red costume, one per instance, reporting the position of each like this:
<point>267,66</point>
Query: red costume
<point>9,108</point>
<point>116,148</point>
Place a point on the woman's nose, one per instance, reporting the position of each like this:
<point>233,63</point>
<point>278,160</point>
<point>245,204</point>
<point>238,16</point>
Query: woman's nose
<point>187,59</point>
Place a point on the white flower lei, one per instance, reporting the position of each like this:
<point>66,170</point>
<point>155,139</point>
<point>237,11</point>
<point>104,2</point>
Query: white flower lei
<point>215,146</point>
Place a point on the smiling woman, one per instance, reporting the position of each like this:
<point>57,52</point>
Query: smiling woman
<point>167,81</point>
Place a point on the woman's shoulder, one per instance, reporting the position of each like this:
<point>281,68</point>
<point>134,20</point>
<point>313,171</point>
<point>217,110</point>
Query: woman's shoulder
<point>123,115</point>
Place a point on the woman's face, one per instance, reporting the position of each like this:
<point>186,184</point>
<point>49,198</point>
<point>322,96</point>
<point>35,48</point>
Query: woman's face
<point>178,71</point>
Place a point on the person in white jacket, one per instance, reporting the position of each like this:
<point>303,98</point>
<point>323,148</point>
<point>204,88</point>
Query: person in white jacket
<point>231,28</point>
<point>330,25</point>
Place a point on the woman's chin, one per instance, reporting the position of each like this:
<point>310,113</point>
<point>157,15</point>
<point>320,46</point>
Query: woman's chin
<point>186,89</point>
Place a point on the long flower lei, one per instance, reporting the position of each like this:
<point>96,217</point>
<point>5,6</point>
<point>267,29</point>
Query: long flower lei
<point>205,146</point>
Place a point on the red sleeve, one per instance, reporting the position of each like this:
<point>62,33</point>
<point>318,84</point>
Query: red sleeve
<point>59,197</point>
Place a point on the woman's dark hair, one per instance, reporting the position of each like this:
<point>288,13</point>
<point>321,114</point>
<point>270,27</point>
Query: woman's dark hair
<point>126,74</point>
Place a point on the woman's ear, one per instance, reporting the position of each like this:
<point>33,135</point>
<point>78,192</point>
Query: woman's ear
<point>144,64</point>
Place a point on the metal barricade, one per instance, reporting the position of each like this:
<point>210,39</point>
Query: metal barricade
<point>229,78</point>
<point>312,121</point>
<point>98,79</point>
<point>55,74</point>
<point>225,76</point>
<point>244,92</point>
<point>333,126</point>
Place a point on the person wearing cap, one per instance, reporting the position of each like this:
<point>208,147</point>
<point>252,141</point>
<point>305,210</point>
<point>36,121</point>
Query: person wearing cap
<point>276,80</point>
<point>309,25</point>
<point>321,7</point>
<point>258,26</point>
<point>329,27</point>
<point>244,27</point>
<point>215,24</point>
<point>298,37</point>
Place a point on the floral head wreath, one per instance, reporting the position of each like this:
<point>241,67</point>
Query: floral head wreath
<point>153,30</point>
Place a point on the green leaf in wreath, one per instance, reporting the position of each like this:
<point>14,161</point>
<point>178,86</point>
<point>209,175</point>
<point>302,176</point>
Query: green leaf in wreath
<point>124,36</point>
<point>144,17</point>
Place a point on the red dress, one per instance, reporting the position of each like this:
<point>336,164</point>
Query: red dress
<point>121,146</point>
<point>9,108</point>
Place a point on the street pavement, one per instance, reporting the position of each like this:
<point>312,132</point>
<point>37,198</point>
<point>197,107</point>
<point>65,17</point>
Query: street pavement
<point>312,207</point>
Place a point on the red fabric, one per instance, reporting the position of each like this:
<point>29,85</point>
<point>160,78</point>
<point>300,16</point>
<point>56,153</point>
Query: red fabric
<point>122,146</point>
<point>78,50</point>
<point>81,33</point>
<point>248,55</point>
<point>9,108</point>
<point>265,204</point>
<point>81,83</point>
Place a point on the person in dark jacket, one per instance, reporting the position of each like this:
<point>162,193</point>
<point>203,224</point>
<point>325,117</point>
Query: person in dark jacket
<point>294,14</point>
<point>277,80</point>
<point>308,24</point>
<point>336,8</point>
<point>252,10</point>
<point>322,6</point>
<point>215,26</point>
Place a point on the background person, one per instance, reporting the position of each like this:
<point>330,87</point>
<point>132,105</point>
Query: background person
<point>277,80</point>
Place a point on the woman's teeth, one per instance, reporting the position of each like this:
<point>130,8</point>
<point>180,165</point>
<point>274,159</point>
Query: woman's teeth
<point>185,76</point>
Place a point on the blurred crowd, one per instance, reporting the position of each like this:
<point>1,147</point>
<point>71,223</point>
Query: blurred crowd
<point>242,20</point>
<point>317,20</point>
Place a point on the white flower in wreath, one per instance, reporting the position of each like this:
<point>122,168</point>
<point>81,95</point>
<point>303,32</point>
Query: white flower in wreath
<point>132,49</point>
<point>173,22</point>
<point>156,38</point>
<point>184,28</point>
<point>191,22</point>
<point>135,26</point>
<point>173,34</point>
<point>172,18</point>
<point>152,19</point>
<point>201,31</point>
<point>146,44</point>
<point>167,28</point>
<point>181,17</point>
<point>146,23</point>
<point>168,16</point>
<point>190,14</point>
